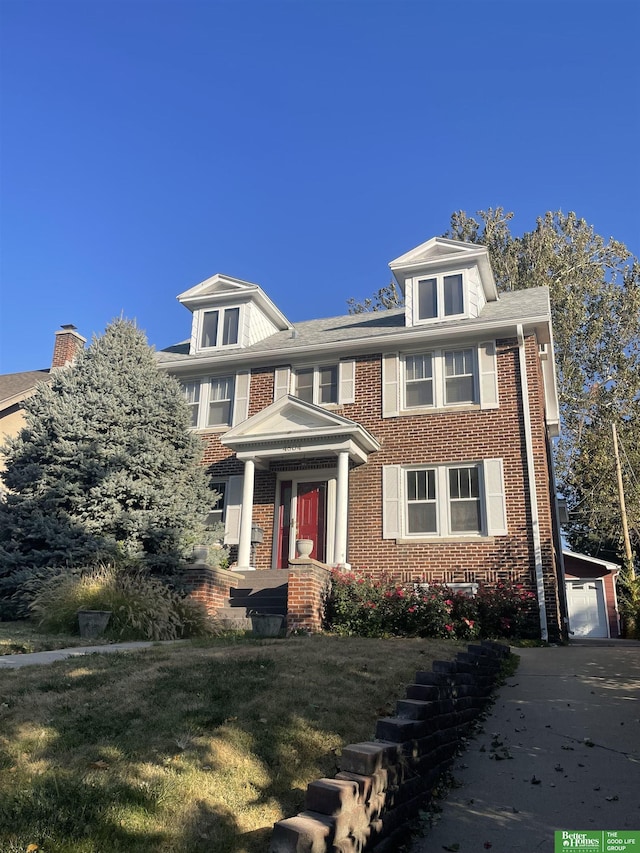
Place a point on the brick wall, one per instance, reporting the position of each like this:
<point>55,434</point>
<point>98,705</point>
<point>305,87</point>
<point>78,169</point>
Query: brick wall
<point>382,784</point>
<point>437,438</point>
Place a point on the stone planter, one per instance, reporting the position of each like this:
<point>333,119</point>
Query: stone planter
<point>266,624</point>
<point>93,623</point>
<point>304,547</point>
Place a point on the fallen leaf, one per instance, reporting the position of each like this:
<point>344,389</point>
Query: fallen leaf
<point>597,788</point>
<point>487,845</point>
<point>452,848</point>
<point>588,742</point>
<point>535,781</point>
<point>559,768</point>
<point>99,765</point>
<point>567,747</point>
<point>612,799</point>
<point>32,847</point>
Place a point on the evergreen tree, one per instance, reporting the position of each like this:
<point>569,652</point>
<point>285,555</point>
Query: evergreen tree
<point>105,467</point>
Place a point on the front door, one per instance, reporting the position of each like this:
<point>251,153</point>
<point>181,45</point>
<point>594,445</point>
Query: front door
<point>307,503</point>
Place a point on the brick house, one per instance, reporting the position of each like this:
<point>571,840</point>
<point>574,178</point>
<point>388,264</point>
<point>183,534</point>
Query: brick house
<point>415,441</point>
<point>15,388</point>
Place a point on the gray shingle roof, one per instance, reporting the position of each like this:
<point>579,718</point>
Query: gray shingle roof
<point>15,386</point>
<point>512,307</point>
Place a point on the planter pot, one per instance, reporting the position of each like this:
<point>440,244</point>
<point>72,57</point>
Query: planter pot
<point>266,625</point>
<point>93,622</point>
<point>304,547</point>
<point>200,554</point>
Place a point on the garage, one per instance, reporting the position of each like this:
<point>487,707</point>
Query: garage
<point>587,612</point>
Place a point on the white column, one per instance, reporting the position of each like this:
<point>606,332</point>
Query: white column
<point>342,506</point>
<point>246,516</point>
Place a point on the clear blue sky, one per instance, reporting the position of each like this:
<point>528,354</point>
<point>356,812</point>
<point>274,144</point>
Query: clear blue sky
<point>302,145</point>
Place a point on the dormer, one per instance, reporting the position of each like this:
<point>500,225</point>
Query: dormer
<point>230,313</point>
<point>444,280</point>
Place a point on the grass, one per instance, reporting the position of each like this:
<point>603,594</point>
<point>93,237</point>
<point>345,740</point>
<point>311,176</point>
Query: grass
<point>24,638</point>
<point>197,747</point>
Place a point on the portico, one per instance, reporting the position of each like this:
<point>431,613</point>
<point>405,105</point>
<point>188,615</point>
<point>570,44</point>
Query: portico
<point>294,430</point>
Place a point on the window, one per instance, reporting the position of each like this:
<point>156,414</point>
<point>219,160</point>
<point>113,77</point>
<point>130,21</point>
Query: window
<point>192,396</point>
<point>217,514</point>
<point>211,401</point>
<point>443,501</point>
<point>419,380</point>
<point>317,385</point>
<point>448,500</point>
<point>219,328</point>
<point>439,296</point>
<point>459,373</point>
<point>440,378</point>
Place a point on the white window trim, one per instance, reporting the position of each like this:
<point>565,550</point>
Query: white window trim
<point>485,380</point>
<point>239,400</point>
<point>285,381</point>
<point>491,494</point>
<point>439,380</point>
<point>199,324</point>
<point>440,277</point>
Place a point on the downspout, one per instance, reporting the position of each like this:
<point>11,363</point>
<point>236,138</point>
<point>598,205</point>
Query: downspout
<point>531,474</point>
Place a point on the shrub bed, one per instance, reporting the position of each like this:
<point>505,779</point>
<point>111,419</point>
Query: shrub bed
<point>366,606</point>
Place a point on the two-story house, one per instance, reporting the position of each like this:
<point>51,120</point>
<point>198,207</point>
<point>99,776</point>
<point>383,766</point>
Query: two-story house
<point>414,441</point>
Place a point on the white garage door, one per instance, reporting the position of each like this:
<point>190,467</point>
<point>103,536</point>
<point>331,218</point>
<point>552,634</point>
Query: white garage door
<point>587,615</point>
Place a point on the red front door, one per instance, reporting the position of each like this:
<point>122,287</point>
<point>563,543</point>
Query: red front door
<point>311,512</point>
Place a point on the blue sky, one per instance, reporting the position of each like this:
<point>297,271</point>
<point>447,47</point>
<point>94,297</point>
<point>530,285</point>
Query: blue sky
<point>147,145</point>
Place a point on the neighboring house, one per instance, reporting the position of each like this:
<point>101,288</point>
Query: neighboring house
<point>592,599</point>
<point>15,388</point>
<point>414,441</point>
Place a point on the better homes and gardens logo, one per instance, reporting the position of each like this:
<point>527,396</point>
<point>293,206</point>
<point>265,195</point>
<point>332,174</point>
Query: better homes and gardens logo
<point>601,841</point>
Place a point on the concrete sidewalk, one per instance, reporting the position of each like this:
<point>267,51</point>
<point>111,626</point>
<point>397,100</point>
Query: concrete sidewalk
<point>16,661</point>
<point>560,750</point>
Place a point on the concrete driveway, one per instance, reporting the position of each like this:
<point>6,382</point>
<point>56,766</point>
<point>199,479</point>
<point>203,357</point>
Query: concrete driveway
<point>560,750</point>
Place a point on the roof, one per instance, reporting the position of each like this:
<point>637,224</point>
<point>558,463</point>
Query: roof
<point>367,331</point>
<point>16,387</point>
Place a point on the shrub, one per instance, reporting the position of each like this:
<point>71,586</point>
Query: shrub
<point>142,607</point>
<point>366,606</point>
<point>508,610</point>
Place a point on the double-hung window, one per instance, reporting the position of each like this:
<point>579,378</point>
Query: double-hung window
<point>440,378</point>
<point>443,500</point>
<point>210,401</point>
<point>317,385</point>
<point>216,515</point>
<point>219,328</point>
<point>447,500</point>
<point>439,296</point>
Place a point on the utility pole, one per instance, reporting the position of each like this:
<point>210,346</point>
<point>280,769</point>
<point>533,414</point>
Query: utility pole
<point>623,508</point>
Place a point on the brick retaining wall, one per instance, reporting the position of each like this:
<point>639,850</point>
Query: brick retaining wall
<point>382,784</point>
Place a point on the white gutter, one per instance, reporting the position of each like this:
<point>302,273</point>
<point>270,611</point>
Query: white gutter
<point>531,473</point>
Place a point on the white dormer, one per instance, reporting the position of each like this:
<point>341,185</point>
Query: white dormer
<point>444,280</point>
<point>228,313</point>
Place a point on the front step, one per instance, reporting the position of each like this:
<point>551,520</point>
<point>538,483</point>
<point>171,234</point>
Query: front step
<point>233,619</point>
<point>262,592</point>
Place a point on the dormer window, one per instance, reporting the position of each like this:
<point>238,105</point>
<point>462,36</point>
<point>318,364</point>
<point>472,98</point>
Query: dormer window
<point>440,296</point>
<point>219,328</point>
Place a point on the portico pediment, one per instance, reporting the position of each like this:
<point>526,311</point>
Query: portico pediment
<point>292,427</point>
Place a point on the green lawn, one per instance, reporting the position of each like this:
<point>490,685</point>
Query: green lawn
<point>197,747</point>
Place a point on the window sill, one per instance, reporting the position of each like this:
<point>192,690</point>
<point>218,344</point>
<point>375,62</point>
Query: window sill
<point>217,430</point>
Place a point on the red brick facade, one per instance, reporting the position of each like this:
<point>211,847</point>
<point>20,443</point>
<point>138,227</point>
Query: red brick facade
<point>441,437</point>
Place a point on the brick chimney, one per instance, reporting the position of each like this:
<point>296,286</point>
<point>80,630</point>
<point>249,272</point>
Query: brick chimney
<point>68,344</point>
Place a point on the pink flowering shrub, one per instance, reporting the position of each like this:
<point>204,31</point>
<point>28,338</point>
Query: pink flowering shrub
<point>508,610</point>
<point>360,604</point>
